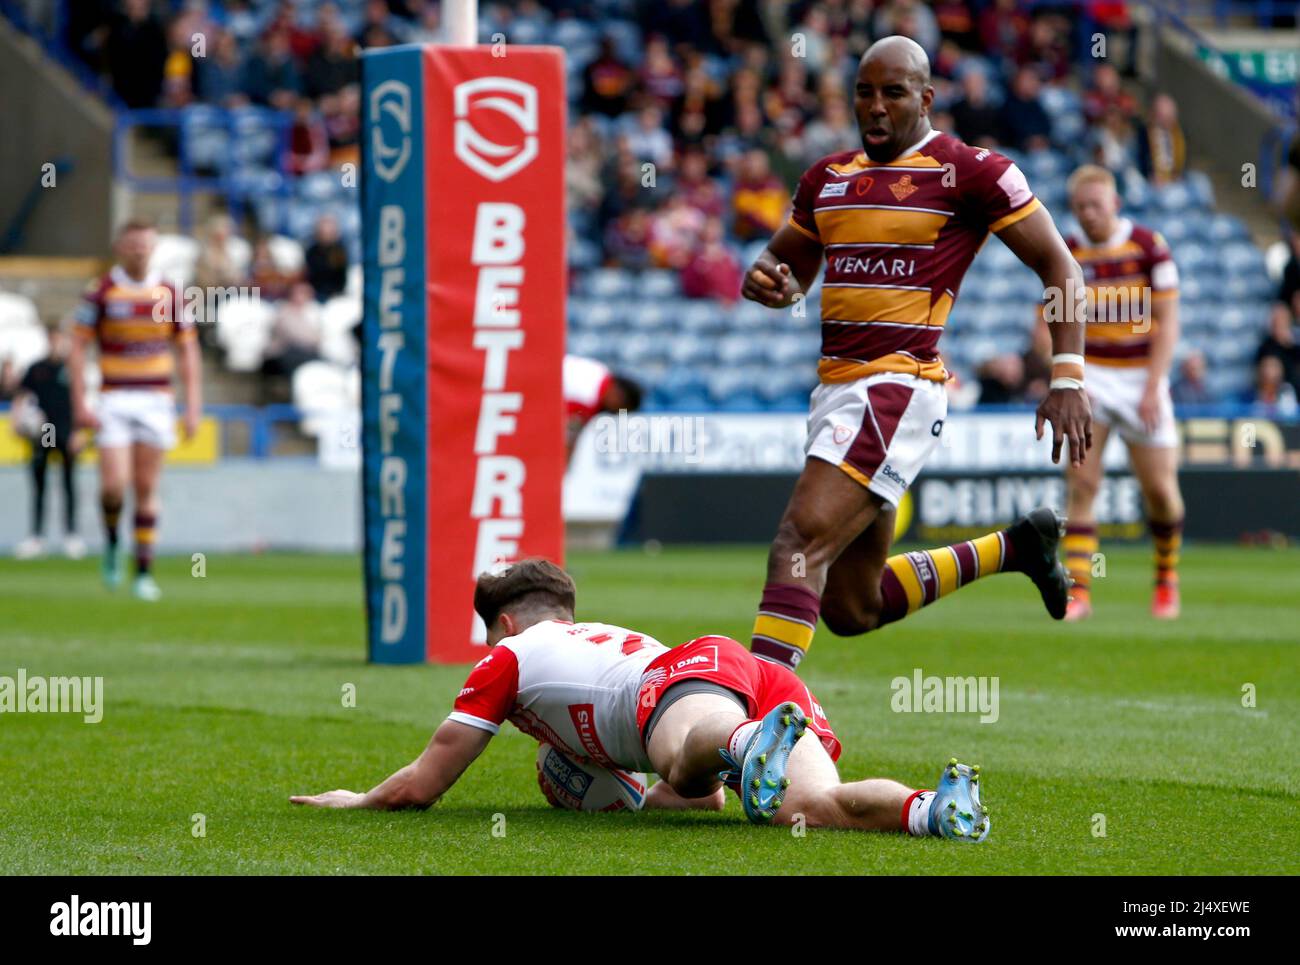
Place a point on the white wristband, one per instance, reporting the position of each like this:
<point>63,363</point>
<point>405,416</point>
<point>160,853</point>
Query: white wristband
<point>1063,382</point>
<point>1067,358</point>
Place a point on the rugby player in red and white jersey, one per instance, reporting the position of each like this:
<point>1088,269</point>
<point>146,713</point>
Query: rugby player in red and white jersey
<point>590,388</point>
<point>613,697</point>
<point>898,224</point>
<point>1133,281</point>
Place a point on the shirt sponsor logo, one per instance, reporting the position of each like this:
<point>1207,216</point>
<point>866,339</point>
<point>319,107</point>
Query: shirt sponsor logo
<point>584,722</point>
<point>890,473</point>
<point>704,660</point>
<point>834,189</point>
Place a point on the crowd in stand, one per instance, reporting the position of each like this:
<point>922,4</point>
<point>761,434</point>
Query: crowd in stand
<point>718,106</point>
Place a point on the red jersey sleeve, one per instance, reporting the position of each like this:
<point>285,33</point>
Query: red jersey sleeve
<point>489,693</point>
<point>997,193</point>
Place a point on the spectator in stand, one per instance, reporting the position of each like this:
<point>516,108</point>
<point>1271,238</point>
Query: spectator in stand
<point>341,113</point>
<point>582,170</point>
<point>659,78</point>
<point>379,28</point>
<point>760,201</point>
<point>266,276</point>
<point>627,239</point>
<point>1002,28</point>
<point>675,231</point>
<point>698,112</point>
<point>1161,150</point>
<point>911,18</point>
<point>334,64</point>
<point>1190,387</point>
<point>219,77</point>
<point>309,142</point>
<point>216,266</point>
<point>648,140</point>
<point>1281,342</point>
<point>713,270</point>
<point>1105,94</point>
<point>977,121</point>
<point>271,76</point>
<point>694,184</point>
<point>957,22</point>
<point>295,333</point>
<point>607,83</point>
<point>833,131</point>
<point>178,68</point>
<point>1046,47</point>
<point>1273,396</point>
<point>327,260</point>
<point>1025,124</point>
<point>428,26</point>
<point>135,52</point>
<point>1113,144</point>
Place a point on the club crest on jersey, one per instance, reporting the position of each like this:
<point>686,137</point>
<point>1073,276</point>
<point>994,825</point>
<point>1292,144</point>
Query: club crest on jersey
<point>903,187</point>
<point>863,185</point>
<point>834,189</point>
<point>842,435</point>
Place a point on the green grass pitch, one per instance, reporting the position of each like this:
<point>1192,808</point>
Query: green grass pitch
<point>227,697</point>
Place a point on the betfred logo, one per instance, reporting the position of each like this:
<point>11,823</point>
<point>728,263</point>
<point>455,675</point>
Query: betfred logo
<point>390,128</point>
<point>703,660</point>
<point>504,108</point>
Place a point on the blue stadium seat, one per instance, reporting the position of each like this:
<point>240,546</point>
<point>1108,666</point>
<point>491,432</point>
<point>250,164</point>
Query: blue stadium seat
<point>658,283</point>
<point>610,283</point>
<point>738,349</point>
<point>687,349</point>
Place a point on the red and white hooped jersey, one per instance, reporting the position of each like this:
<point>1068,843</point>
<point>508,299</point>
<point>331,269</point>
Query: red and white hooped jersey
<point>572,685</point>
<point>585,382</point>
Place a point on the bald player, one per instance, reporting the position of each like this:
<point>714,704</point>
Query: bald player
<point>898,224</point>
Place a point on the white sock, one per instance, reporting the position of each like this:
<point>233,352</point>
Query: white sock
<point>739,740</point>
<point>918,814</point>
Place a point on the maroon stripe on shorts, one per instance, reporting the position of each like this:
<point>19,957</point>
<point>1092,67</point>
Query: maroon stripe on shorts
<point>887,401</point>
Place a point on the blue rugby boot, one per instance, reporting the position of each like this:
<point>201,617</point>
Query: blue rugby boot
<point>762,769</point>
<point>956,811</point>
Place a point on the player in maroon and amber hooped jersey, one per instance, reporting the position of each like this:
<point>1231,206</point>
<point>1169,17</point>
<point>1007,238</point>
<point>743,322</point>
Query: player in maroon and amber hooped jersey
<point>613,698</point>
<point>590,388</point>
<point>136,321</point>
<point>898,224</point>
<point>1133,285</point>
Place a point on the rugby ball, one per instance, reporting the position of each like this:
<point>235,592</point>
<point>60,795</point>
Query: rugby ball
<point>580,786</point>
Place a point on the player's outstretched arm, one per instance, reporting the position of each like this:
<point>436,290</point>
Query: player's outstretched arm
<point>453,747</point>
<point>786,268</point>
<point>1039,245</point>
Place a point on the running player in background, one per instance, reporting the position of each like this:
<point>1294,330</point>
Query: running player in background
<point>135,319</point>
<point>899,224</point>
<point>590,388</point>
<point>622,700</point>
<point>1133,282</point>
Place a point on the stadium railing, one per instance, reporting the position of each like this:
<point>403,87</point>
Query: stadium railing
<point>236,183</point>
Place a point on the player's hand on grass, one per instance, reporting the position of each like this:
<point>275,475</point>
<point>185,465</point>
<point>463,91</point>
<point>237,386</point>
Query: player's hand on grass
<point>1070,414</point>
<point>769,284</point>
<point>330,799</point>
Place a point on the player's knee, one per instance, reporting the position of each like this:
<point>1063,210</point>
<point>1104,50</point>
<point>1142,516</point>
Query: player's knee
<point>1083,492</point>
